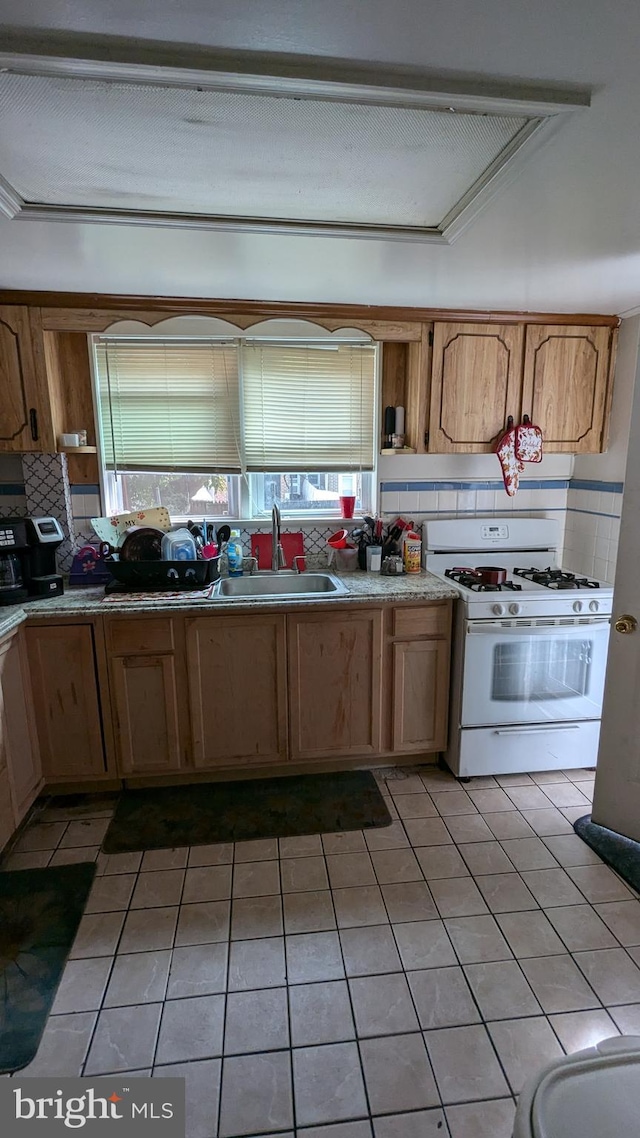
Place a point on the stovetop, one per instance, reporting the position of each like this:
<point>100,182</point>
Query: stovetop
<point>472,580</point>
<point>536,585</point>
<point>556,578</point>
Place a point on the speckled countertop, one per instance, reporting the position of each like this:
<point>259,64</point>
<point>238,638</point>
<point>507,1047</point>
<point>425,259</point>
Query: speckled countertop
<point>363,588</point>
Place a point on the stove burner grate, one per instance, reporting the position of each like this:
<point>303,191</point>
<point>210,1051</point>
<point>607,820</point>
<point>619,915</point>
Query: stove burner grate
<point>556,579</point>
<point>470,580</point>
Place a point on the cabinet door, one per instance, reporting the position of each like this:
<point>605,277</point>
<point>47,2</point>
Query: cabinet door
<point>475,385</point>
<point>566,372</point>
<point>23,414</point>
<point>22,753</point>
<point>420,695</point>
<point>8,823</point>
<point>335,683</point>
<point>66,702</point>
<point>145,703</point>
<point>237,689</point>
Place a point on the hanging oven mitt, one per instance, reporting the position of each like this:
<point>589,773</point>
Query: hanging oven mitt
<point>506,452</point>
<point>528,441</point>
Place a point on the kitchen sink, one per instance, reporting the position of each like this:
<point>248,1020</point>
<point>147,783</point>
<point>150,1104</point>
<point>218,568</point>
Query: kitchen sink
<point>267,585</point>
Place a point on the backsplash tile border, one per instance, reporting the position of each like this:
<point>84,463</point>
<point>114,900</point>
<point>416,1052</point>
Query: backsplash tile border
<point>474,484</point>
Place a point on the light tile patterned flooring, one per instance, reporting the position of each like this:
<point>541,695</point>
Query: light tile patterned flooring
<point>401,983</point>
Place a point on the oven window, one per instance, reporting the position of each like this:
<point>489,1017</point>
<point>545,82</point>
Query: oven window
<point>529,671</point>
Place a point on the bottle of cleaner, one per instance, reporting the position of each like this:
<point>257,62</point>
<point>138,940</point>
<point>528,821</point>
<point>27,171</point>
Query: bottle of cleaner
<point>412,551</point>
<point>234,554</point>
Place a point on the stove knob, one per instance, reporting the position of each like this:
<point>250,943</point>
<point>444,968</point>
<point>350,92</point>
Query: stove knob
<point>498,610</point>
<point>514,609</point>
<point>577,606</point>
<point>593,606</point>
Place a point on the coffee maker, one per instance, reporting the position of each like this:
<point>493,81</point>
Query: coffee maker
<point>28,559</point>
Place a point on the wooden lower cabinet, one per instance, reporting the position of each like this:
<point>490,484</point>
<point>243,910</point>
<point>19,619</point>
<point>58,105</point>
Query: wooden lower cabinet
<point>20,740</point>
<point>144,693</point>
<point>20,773</point>
<point>335,674</point>
<point>178,695</point>
<point>237,689</point>
<point>7,817</point>
<point>420,695</point>
<point>66,699</point>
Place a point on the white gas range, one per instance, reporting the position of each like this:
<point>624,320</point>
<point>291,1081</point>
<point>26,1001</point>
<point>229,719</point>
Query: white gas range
<point>530,652</point>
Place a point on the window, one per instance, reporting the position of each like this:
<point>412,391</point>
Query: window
<point>307,494</point>
<point>228,427</point>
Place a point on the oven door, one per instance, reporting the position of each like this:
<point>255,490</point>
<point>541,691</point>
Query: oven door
<point>537,672</point>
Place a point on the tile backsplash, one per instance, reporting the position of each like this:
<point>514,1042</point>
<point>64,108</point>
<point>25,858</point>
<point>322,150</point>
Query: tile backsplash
<point>472,496</point>
<point>588,511</point>
<point>47,492</point>
<point>592,527</point>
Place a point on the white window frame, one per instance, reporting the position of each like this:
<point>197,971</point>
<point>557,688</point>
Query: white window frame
<point>277,329</point>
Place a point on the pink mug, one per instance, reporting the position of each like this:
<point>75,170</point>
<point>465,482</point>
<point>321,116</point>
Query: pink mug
<point>347,505</point>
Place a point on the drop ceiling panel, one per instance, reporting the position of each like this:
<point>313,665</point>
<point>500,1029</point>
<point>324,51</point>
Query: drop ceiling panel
<point>104,144</point>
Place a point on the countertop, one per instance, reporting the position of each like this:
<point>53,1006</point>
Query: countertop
<point>363,588</point>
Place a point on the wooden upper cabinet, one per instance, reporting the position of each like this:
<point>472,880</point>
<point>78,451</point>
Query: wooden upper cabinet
<point>25,414</point>
<point>565,385</point>
<point>475,385</point>
<point>237,689</point>
<point>335,670</point>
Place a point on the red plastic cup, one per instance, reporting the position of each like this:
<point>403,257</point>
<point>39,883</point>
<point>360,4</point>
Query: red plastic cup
<point>347,505</point>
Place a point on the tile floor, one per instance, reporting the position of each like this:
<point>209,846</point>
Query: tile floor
<point>398,983</point>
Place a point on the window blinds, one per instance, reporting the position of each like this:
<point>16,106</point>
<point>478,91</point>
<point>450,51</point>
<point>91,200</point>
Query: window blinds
<point>308,406</point>
<point>169,405</point>
<point>196,405</point>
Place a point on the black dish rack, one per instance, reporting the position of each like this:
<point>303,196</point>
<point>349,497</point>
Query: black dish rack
<point>163,576</point>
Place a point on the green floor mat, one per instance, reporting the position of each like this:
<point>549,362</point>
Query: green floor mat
<point>40,910</point>
<point>205,813</point>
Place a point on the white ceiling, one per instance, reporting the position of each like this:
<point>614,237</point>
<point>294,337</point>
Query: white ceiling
<point>565,235</point>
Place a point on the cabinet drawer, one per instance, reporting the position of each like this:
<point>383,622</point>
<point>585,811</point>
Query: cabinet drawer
<point>425,620</point>
<point>134,636</point>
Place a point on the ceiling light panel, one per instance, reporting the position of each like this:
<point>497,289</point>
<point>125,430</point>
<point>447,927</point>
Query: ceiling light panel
<point>104,145</point>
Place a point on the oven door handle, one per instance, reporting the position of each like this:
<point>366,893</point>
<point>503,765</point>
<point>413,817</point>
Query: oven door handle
<point>482,628</point>
<point>537,729</point>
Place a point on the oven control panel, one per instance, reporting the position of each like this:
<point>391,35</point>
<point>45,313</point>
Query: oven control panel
<point>494,532</point>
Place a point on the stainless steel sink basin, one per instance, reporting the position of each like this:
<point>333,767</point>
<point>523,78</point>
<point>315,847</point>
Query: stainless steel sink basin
<point>283,584</point>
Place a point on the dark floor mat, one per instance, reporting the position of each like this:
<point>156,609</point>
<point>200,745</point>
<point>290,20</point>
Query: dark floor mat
<point>205,813</point>
<point>40,910</point>
<point>622,854</point>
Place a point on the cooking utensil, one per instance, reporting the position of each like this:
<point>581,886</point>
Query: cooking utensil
<point>142,544</point>
<point>339,539</point>
<point>223,534</point>
<point>491,574</point>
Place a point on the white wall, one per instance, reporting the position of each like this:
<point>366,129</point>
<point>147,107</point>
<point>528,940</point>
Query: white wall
<point>594,501</point>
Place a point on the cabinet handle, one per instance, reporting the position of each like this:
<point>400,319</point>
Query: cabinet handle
<point>33,423</point>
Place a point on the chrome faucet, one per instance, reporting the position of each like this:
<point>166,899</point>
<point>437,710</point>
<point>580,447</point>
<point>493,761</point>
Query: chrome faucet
<point>277,552</point>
